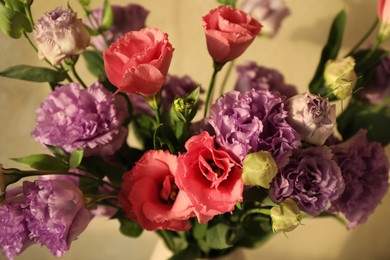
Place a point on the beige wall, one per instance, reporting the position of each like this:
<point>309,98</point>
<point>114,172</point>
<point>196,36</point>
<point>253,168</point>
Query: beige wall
<point>295,52</point>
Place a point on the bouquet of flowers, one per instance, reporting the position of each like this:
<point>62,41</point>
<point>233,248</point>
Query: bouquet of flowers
<point>143,147</point>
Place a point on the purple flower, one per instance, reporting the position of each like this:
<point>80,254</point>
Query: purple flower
<point>270,13</point>
<point>378,87</point>
<point>250,75</point>
<point>55,213</point>
<point>173,87</point>
<point>72,118</point>
<point>59,34</point>
<point>126,18</point>
<point>312,117</point>
<point>253,121</point>
<point>14,237</point>
<point>365,168</point>
<point>312,178</point>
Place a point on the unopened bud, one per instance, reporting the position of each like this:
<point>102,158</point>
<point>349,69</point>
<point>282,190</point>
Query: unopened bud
<point>285,216</point>
<point>259,169</point>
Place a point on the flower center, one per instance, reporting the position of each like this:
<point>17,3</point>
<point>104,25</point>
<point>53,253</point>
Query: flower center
<point>215,169</point>
<point>169,190</point>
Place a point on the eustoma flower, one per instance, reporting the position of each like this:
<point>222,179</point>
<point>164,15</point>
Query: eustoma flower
<point>252,76</point>
<point>138,62</point>
<point>229,32</point>
<point>270,13</point>
<point>91,119</point>
<point>365,168</point>
<point>312,178</point>
<point>150,196</point>
<point>209,177</point>
<point>126,18</point>
<point>384,17</point>
<point>253,121</point>
<point>60,34</point>
<point>55,213</point>
<point>14,235</point>
<point>312,117</point>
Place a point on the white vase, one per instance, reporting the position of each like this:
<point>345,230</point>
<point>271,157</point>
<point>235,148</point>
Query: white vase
<point>161,252</point>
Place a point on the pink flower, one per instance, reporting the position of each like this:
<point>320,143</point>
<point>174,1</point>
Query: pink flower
<point>229,32</point>
<point>209,177</point>
<point>270,13</point>
<point>384,10</point>
<point>150,196</point>
<point>138,62</point>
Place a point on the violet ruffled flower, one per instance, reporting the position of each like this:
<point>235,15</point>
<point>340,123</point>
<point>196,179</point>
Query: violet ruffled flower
<point>378,87</point>
<point>365,169</point>
<point>250,75</point>
<point>59,34</point>
<point>253,121</point>
<point>14,235</point>
<point>312,178</point>
<point>72,118</point>
<point>312,116</point>
<point>173,87</point>
<point>55,213</point>
<point>126,18</point>
<point>270,13</point>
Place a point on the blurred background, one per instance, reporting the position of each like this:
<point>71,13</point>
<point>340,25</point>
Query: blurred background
<point>295,52</point>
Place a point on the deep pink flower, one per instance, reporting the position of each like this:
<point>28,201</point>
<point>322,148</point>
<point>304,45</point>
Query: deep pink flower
<point>229,32</point>
<point>150,196</point>
<point>138,62</point>
<point>209,177</point>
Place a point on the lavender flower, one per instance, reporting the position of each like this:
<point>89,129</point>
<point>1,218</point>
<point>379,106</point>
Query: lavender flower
<point>92,118</point>
<point>14,235</point>
<point>365,168</point>
<point>55,213</point>
<point>312,178</point>
<point>378,87</point>
<point>253,121</point>
<point>250,75</point>
<point>126,18</point>
<point>270,13</point>
<point>312,117</point>
<point>173,87</point>
<point>59,34</point>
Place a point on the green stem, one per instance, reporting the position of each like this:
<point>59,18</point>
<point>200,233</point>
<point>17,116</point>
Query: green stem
<point>156,108</point>
<point>264,211</point>
<point>217,68</point>
<point>66,74</point>
<point>27,9</point>
<point>164,234</point>
<point>225,79</point>
<point>76,75</point>
<point>364,38</point>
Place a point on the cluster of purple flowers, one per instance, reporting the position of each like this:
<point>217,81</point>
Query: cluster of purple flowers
<point>49,212</point>
<point>350,177</point>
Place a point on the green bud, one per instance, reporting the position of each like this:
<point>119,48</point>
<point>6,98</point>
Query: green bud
<point>6,178</point>
<point>259,169</point>
<point>285,216</point>
<point>340,77</point>
<point>185,108</point>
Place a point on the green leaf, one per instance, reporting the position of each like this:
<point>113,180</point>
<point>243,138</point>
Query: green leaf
<point>216,236</point>
<point>14,5</point>
<point>42,162</point>
<point>75,158</point>
<point>190,253</point>
<point>227,2</point>
<point>375,119</point>
<point>88,186</point>
<point>164,138</point>
<point>58,152</point>
<point>13,23</point>
<point>108,16</point>
<point>129,227</point>
<point>330,50</point>
<point>199,230</point>
<point>95,64</point>
<point>31,73</point>
<point>97,167</point>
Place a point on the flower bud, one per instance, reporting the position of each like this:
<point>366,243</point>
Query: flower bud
<point>5,180</point>
<point>340,77</point>
<point>60,34</point>
<point>312,116</point>
<point>285,216</point>
<point>259,169</point>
